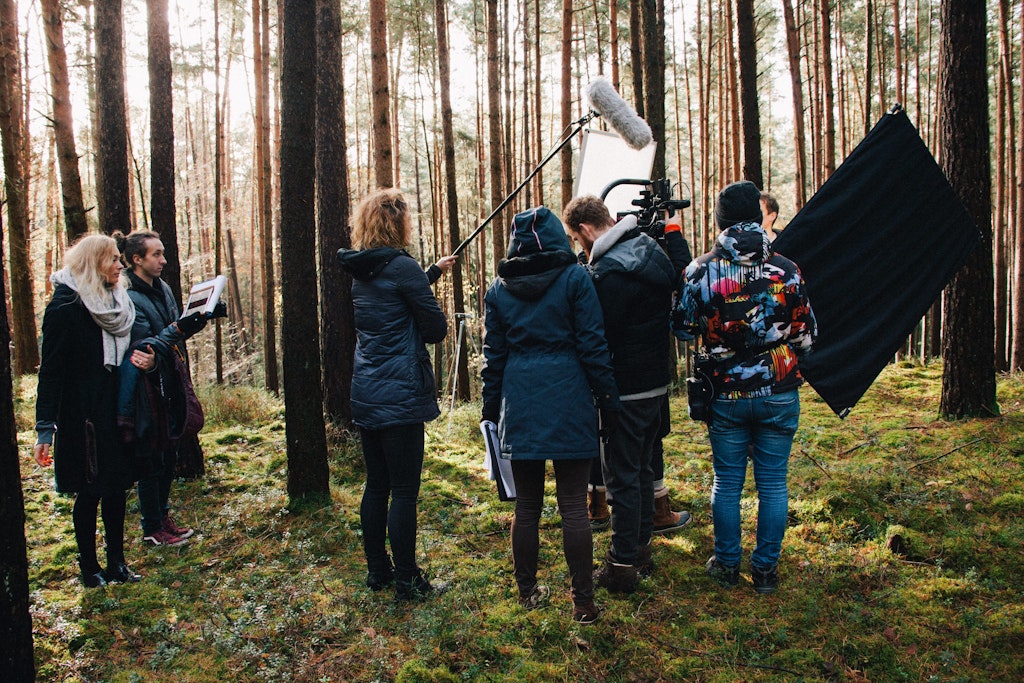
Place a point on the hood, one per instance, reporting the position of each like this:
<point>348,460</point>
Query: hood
<point>537,230</point>
<point>745,244</point>
<point>624,249</point>
<point>366,264</point>
<point>611,237</point>
<point>528,277</point>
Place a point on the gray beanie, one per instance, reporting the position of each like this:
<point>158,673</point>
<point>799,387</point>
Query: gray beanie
<point>738,203</point>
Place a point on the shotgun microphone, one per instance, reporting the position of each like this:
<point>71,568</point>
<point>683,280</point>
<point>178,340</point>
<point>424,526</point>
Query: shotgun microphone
<point>622,118</point>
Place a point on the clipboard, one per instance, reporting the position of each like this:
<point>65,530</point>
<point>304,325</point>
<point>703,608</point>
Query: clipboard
<point>499,469</point>
<point>204,296</point>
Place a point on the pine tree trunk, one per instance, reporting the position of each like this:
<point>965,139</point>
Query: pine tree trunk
<point>636,59</point>
<point>337,324</point>
<point>653,19</point>
<point>63,122</point>
<point>112,151</point>
<point>968,374</point>
<point>381,98</point>
<point>828,103</point>
<point>267,252</point>
<point>16,656</point>
<point>303,397</point>
<point>495,152</point>
<point>12,132</point>
<point>566,154</point>
<point>747,47</point>
<point>793,48</point>
<point>448,140</point>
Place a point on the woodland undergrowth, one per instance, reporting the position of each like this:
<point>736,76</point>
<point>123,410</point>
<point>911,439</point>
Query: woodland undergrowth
<point>902,562</point>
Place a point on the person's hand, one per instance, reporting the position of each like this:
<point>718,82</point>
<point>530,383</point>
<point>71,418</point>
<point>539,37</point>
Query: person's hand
<point>219,311</point>
<point>609,423</point>
<point>191,324</point>
<point>144,360</point>
<point>41,452</point>
<point>446,263</point>
<point>674,222</point>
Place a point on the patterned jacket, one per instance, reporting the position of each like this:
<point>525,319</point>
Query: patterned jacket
<point>750,305</point>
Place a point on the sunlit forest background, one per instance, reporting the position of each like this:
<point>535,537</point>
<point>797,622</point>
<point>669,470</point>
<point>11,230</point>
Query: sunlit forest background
<point>825,73</point>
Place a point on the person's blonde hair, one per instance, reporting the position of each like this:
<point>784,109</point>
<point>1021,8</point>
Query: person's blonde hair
<point>85,261</point>
<point>380,220</point>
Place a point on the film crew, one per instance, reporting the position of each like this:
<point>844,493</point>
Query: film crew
<point>666,521</point>
<point>634,279</point>
<point>155,435</point>
<point>546,362</point>
<point>393,390</point>
<point>750,307</point>
<point>86,334</point>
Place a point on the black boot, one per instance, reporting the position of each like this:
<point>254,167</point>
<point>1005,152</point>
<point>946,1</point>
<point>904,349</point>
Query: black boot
<point>616,577</point>
<point>119,572</point>
<point>417,587</point>
<point>644,560</point>
<point>92,575</point>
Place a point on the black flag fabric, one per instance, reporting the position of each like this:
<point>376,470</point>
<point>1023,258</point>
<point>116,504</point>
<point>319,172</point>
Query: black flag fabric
<point>876,245</point>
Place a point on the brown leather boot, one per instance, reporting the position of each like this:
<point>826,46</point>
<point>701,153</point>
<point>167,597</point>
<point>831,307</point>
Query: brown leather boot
<point>597,509</point>
<point>666,521</point>
<point>644,560</point>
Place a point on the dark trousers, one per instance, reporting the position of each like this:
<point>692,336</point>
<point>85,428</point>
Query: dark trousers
<point>394,462</point>
<point>657,458</point>
<point>630,477</point>
<point>577,542</point>
<point>84,517</point>
<point>156,473</point>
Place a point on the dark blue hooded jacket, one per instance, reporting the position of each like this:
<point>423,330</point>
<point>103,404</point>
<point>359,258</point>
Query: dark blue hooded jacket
<point>396,315</point>
<point>546,358</point>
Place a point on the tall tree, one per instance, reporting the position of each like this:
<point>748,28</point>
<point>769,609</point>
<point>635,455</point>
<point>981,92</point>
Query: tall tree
<point>112,150</point>
<point>448,141</point>
<point>495,152</point>
<point>16,657</point>
<point>793,49</point>
<point>63,122</point>
<point>265,201</point>
<point>652,19</point>
<point>566,154</point>
<point>968,373</point>
<point>161,142</point>
<point>337,322</point>
<point>13,132</point>
<point>381,100</point>
<point>747,49</point>
<point>300,334</point>
<point>828,93</point>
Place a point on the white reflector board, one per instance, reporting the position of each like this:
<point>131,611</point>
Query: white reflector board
<point>605,158</point>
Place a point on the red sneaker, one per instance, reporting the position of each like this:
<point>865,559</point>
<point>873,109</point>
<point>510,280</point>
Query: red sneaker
<point>170,527</point>
<point>161,537</point>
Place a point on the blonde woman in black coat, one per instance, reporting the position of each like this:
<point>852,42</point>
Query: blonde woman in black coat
<point>86,333</point>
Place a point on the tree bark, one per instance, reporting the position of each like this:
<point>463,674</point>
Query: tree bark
<point>12,132</point>
<point>267,259</point>
<point>448,141</point>
<point>828,104</point>
<point>300,333</point>
<point>566,154</point>
<point>63,122</point>
<point>793,48</point>
<point>112,151</point>
<point>495,152</point>
<point>337,319</point>
<point>652,17</point>
<point>747,48</point>
<point>16,656</point>
<point>636,55</point>
<point>161,142</point>
<point>381,98</point>
<point>968,374</point>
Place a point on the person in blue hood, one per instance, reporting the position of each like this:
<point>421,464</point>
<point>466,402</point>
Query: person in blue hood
<point>393,390</point>
<point>750,306</point>
<point>547,372</point>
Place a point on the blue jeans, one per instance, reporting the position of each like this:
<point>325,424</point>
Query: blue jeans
<point>764,428</point>
<point>394,461</point>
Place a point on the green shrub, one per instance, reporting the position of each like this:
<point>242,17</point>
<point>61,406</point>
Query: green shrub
<point>231,405</point>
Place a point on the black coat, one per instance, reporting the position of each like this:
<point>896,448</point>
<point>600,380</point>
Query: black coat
<point>79,394</point>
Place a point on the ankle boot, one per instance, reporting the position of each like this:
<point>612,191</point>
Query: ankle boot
<point>92,575</point>
<point>417,587</point>
<point>665,520</point>
<point>379,574</point>
<point>616,577</point>
<point>597,509</point>
<point>644,560</point>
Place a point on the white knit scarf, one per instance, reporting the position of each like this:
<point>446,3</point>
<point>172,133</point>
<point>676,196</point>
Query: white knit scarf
<point>113,311</point>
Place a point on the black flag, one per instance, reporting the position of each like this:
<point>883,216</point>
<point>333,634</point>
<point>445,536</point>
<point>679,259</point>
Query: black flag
<point>876,245</point>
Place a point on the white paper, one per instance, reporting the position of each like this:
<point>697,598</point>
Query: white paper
<point>204,296</point>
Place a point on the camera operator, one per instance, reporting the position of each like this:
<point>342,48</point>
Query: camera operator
<point>634,279</point>
<point>750,306</point>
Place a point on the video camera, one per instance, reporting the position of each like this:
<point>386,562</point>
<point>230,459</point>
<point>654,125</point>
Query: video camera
<point>655,199</point>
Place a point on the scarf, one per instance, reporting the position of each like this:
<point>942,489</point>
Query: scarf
<point>112,311</point>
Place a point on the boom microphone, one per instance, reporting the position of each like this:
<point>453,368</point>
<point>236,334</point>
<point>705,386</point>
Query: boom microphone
<point>620,116</point>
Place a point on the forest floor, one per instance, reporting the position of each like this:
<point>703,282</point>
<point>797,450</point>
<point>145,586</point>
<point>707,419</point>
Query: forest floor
<point>264,592</point>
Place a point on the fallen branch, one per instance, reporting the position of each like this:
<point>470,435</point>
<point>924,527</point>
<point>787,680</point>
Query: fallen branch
<point>816,463</point>
<point>949,452</point>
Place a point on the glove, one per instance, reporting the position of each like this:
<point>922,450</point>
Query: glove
<point>191,324</point>
<point>609,423</point>
<point>219,311</point>
<point>490,413</point>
